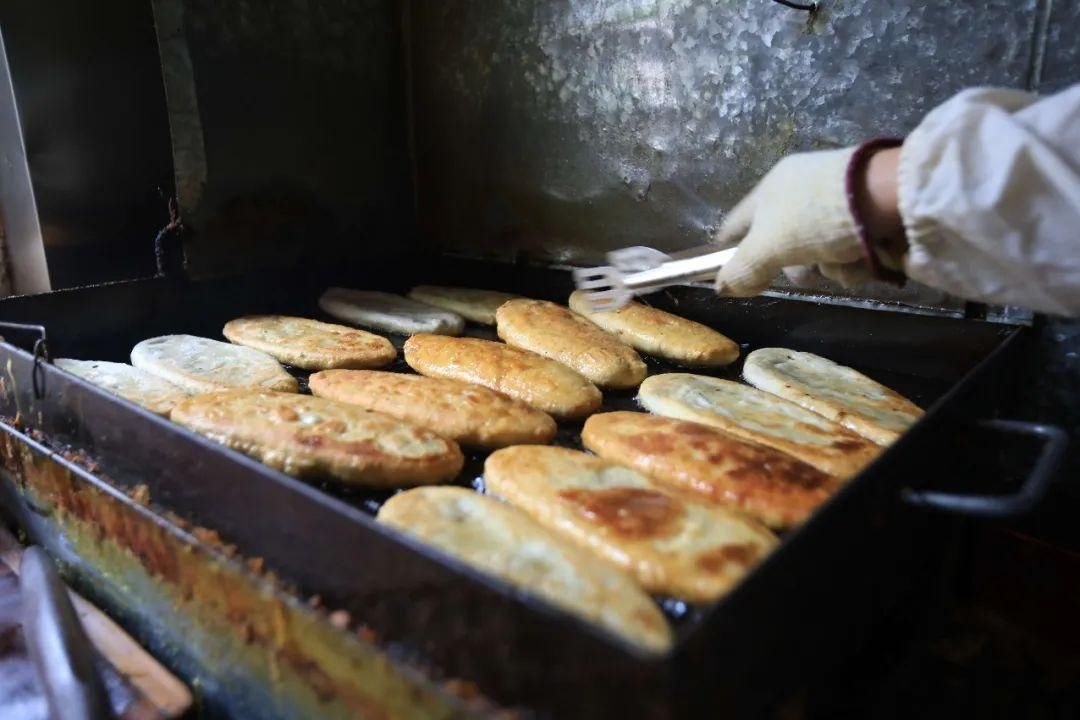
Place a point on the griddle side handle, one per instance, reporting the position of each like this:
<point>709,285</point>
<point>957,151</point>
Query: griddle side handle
<point>1055,441</point>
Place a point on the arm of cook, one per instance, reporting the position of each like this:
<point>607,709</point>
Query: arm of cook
<point>989,192</point>
<point>985,204</point>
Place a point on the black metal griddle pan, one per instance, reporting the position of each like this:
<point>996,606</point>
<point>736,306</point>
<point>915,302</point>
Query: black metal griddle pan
<point>879,542</point>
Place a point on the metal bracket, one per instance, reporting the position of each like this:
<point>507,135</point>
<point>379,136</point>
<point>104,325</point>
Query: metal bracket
<point>1055,441</point>
<point>40,351</point>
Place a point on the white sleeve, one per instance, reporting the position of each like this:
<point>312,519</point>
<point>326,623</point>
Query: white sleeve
<point>989,187</point>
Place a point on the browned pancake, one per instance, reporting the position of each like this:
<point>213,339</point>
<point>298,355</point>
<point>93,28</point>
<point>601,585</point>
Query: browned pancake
<point>470,414</point>
<point>834,391</point>
<point>506,543</point>
<point>661,334</point>
<point>559,334</point>
<point>760,417</point>
<point>544,384</point>
<point>312,437</point>
<point>310,344</point>
<point>672,545</point>
<point>712,465</point>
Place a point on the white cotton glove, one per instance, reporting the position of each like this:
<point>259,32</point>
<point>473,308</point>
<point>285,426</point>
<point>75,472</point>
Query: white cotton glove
<point>796,216</point>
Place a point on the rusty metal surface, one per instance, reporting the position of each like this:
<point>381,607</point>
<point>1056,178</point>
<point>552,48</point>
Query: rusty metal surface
<point>289,129</point>
<point>563,129</point>
<point>249,648</point>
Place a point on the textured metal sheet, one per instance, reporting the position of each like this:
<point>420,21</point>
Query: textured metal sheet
<point>1060,61</point>
<point>562,129</point>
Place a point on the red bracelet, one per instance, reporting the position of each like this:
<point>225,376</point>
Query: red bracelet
<point>856,173</point>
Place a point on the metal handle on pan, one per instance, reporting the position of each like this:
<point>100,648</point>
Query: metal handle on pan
<point>1055,440</point>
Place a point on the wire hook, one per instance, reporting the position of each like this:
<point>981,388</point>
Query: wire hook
<point>810,7</point>
<point>40,352</point>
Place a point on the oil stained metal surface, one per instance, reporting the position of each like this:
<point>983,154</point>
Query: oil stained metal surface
<point>565,128</point>
<point>249,648</point>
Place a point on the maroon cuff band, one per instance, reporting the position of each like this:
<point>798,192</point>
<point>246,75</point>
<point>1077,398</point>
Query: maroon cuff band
<point>856,172</point>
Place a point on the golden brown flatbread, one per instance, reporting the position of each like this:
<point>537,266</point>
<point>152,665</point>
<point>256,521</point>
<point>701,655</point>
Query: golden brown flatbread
<point>504,542</point>
<point>479,306</point>
<point>544,384</point>
<point>761,417</point>
<point>557,333</point>
<point>672,545</point>
<point>712,465</point>
<point>130,383</point>
<point>311,437</point>
<point>661,334</point>
<point>310,344</point>
<point>835,391</point>
<point>200,365</point>
<point>470,414</point>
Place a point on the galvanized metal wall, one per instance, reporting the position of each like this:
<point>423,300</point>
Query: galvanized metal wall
<point>564,128</point>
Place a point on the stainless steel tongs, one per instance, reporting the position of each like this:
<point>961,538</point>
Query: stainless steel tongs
<point>640,270</point>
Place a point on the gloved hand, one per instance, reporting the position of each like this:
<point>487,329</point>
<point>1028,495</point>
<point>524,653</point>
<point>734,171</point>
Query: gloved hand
<point>800,215</point>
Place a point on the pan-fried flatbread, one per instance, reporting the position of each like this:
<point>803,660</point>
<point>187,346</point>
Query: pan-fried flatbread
<point>479,306</point>
<point>661,334</point>
<point>760,417</point>
<point>199,365</point>
<point>544,384</point>
<point>389,312</point>
<point>469,414</point>
<point>671,545</point>
<point>505,542</point>
<point>130,383</point>
<point>835,391</point>
<point>557,333</point>
<point>768,484</point>
<point>310,344</point>
<point>311,437</point>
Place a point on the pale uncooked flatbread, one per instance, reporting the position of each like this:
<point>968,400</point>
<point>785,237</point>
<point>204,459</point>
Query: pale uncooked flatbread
<point>469,414</point>
<point>545,384</point>
<point>130,383</point>
<point>835,391</point>
<point>389,312</point>
<point>479,306</point>
<point>559,334</point>
<point>505,542</point>
<point>661,334</point>
<point>760,417</point>
<point>310,344</point>
<point>309,436</point>
<point>200,364</point>
<point>716,467</point>
<point>671,545</point>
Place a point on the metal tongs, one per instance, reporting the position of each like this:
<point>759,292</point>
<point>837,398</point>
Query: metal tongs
<point>639,270</point>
